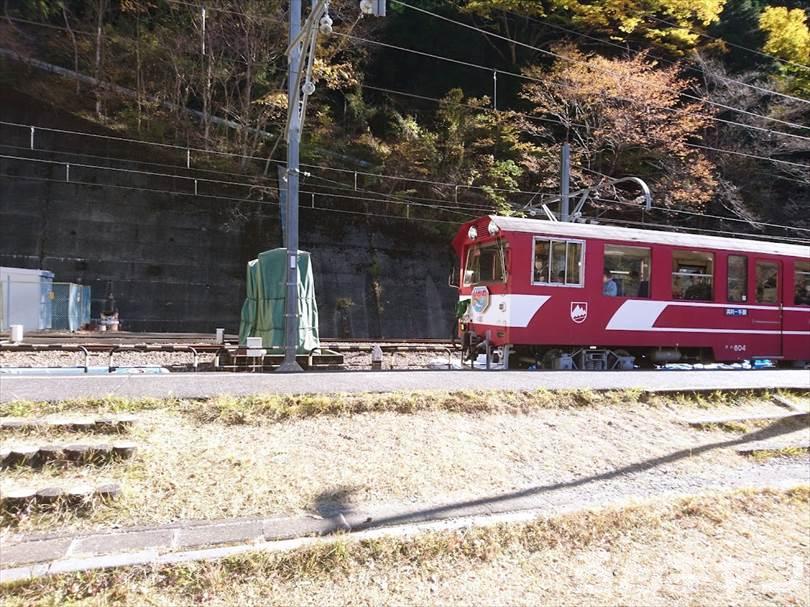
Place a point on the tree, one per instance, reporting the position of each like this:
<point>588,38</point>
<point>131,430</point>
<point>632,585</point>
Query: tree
<point>788,37</point>
<point>739,25</point>
<point>623,117</point>
<point>787,34</point>
<point>619,18</point>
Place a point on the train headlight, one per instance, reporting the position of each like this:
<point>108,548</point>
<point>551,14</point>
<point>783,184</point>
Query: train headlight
<point>472,233</point>
<point>492,228</point>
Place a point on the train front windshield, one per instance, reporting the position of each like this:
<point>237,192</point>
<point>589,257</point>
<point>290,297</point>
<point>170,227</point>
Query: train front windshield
<point>485,264</point>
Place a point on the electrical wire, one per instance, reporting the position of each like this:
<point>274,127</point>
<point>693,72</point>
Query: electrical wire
<point>578,62</point>
<point>620,98</point>
<point>391,196</point>
<point>451,210</point>
<point>384,197</point>
<point>690,66</point>
<point>718,150</point>
<point>752,222</point>
<point>731,44</point>
<point>531,79</point>
<point>753,156</point>
<point>708,231</point>
<point>196,150</point>
<point>252,186</point>
<point>334,169</point>
<point>226,198</point>
<point>366,214</point>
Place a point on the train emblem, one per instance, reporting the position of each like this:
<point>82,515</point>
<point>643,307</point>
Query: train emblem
<point>480,299</point>
<point>579,311</point>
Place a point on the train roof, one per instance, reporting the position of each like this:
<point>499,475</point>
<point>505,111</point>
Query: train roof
<point>605,232</point>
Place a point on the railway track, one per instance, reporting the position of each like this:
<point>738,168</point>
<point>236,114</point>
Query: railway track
<point>192,352</point>
<point>203,342</point>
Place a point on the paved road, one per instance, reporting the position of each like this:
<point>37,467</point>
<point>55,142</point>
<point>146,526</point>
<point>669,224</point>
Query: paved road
<point>197,385</point>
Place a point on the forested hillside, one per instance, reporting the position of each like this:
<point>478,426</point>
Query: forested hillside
<point>444,110</point>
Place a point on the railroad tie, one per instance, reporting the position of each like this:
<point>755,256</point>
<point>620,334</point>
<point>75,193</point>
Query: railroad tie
<point>108,423</point>
<point>75,495</point>
<point>75,454</point>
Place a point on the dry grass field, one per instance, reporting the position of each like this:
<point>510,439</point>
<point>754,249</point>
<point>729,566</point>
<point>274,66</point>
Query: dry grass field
<point>743,548</point>
<point>242,457</point>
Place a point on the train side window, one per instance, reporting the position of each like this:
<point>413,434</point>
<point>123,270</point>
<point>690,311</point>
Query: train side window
<point>801,283</point>
<point>629,269</point>
<point>737,278</point>
<point>573,264</point>
<point>484,264</point>
<point>692,275</point>
<point>541,257</point>
<point>767,282</point>
<point>557,262</point>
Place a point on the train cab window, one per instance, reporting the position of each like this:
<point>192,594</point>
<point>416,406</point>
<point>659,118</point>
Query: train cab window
<point>557,262</point>
<point>484,264</point>
<point>767,282</point>
<point>629,269</point>
<point>801,283</point>
<point>737,278</point>
<point>692,275</point>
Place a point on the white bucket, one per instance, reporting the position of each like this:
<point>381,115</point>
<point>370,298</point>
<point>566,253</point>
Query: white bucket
<point>16,333</point>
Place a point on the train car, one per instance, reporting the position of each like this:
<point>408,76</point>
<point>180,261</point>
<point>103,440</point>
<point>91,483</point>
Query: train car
<point>583,296</point>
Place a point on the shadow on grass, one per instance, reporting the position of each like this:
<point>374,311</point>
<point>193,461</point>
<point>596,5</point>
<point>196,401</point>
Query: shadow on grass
<point>505,502</point>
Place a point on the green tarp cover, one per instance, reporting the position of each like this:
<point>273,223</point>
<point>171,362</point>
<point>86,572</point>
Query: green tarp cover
<point>263,310</point>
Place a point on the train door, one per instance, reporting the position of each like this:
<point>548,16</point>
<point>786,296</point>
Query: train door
<point>766,313</point>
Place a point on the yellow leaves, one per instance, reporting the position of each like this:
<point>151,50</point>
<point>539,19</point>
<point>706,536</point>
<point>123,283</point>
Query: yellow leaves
<point>336,76</point>
<point>788,34</point>
<point>524,7</point>
<point>630,16</point>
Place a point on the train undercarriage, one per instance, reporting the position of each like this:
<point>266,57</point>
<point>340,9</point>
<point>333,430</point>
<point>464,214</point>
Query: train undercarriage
<point>587,358</point>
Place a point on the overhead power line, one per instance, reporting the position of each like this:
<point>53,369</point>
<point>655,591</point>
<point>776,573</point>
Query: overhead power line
<point>575,61</point>
<point>227,198</point>
<point>690,66</point>
<point>195,181</point>
<point>458,210</point>
<point>367,214</point>
<point>528,78</point>
<point>731,44</point>
<point>531,79</point>
<point>645,224</point>
<point>186,150</point>
<point>752,156</point>
<point>718,150</point>
<point>539,80</point>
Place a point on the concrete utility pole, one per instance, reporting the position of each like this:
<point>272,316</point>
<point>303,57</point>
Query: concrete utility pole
<point>565,181</point>
<point>291,241</point>
<point>301,50</point>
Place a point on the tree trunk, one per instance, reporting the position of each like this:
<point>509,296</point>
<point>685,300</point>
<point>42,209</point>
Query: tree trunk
<point>75,47</point>
<point>101,7</point>
<point>207,96</point>
<point>138,70</point>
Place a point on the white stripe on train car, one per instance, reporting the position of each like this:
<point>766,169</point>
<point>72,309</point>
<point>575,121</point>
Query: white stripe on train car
<point>524,307</point>
<point>636,315</point>
<point>510,310</point>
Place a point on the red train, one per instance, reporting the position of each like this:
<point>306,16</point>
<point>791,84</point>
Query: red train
<point>569,295</point>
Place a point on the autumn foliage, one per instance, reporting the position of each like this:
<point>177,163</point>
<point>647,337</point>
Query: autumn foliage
<point>625,116</point>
